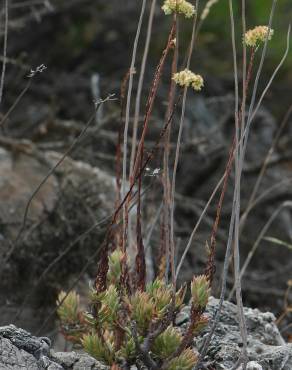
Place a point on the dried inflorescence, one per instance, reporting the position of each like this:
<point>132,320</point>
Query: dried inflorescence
<point>207,8</point>
<point>124,326</point>
<point>182,7</point>
<point>187,78</point>
<point>258,35</point>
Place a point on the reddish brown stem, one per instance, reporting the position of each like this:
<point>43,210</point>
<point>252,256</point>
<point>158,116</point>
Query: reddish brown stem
<point>100,282</point>
<point>151,98</point>
<point>140,258</point>
<point>210,267</point>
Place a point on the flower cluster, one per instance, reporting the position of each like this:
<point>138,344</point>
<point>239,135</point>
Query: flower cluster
<point>187,78</point>
<point>180,7</point>
<point>257,35</point>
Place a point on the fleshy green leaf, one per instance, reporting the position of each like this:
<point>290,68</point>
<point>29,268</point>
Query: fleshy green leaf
<point>185,361</point>
<point>110,305</point>
<point>128,350</point>
<point>68,310</point>
<point>114,272</point>
<point>166,343</point>
<point>200,291</point>
<point>142,309</point>
<point>93,345</point>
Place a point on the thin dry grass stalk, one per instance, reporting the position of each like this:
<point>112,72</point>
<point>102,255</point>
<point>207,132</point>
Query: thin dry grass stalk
<point>6,15</point>
<point>140,84</point>
<point>177,152</point>
<point>165,246</point>
<point>127,118</point>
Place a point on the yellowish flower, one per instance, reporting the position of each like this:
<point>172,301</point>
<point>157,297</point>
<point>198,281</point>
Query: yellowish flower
<point>257,35</point>
<point>180,7</point>
<point>187,78</point>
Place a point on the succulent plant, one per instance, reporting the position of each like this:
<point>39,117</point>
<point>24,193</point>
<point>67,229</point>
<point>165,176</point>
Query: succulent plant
<point>124,322</point>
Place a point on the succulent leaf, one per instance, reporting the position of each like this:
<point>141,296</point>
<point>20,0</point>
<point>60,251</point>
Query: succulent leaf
<point>200,291</point>
<point>114,272</point>
<point>142,309</point>
<point>110,305</point>
<point>161,294</point>
<point>166,343</point>
<point>68,311</point>
<point>185,361</point>
<point>201,324</point>
<point>180,296</point>
<point>128,350</point>
<point>98,349</point>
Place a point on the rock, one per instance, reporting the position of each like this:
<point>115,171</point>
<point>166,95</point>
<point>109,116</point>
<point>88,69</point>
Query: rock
<point>266,348</point>
<point>73,199</point>
<point>77,361</point>
<point>20,350</point>
<point>19,177</point>
<point>13,358</point>
<point>253,365</point>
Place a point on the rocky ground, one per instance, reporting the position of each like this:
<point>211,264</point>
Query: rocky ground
<point>267,349</point>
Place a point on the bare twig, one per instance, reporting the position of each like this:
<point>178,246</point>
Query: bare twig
<point>17,100</point>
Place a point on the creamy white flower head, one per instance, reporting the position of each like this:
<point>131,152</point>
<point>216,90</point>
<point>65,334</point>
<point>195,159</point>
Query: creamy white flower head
<point>180,7</point>
<point>257,35</point>
<point>187,78</point>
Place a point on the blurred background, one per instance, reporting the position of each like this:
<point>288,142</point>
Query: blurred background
<point>78,51</point>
